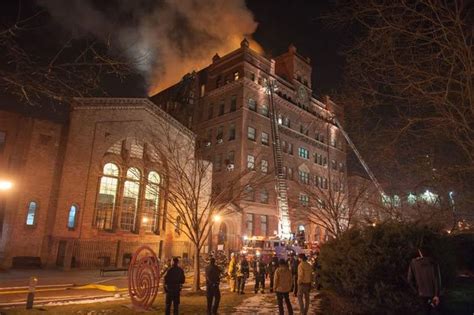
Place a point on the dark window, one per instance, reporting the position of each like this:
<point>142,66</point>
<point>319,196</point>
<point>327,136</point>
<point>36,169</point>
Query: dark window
<point>264,110</point>
<point>3,140</point>
<point>249,194</point>
<point>221,108</point>
<point>220,134</point>
<point>252,104</point>
<point>304,200</point>
<point>264,225</point>
<point>249,224</point>
<point>250,162</point>
<point>264,196</point>
<point>210,113</point>
<point>232,132</point>
<point>304,177</point>
<point>218,162</point>
<point>233,103</point>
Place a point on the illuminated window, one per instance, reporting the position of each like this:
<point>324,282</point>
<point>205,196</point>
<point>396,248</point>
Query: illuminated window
<point>304,200</point>
<point>236,76</point>
<point>250,162</point>
<point>31,214</point>
<point>411,199</point>
<point>304,177</point>
<point>71,219</point>
<point>280,119</point>
<point>107,197</point>
<point>203,89</point>
<point>252,104</point>
<point>251,133</point>
<point>304,153</point>
<point>151,212</point>
<point>264,138</point>
<point>131,189</point>
<point>264,166</point>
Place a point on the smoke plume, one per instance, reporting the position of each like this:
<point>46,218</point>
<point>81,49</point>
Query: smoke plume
<point>164,39</point>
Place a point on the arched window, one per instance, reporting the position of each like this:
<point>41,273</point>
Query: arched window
<point>71,218</point>
<point>131,190</point>
<point>31,214</point>
<point>151,211</point>
<point>107,197</point>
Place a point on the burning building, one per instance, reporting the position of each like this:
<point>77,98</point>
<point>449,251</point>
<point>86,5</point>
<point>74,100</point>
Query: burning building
<point>227,105</point>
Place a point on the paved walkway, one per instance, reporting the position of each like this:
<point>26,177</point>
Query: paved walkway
<point>266,304</point>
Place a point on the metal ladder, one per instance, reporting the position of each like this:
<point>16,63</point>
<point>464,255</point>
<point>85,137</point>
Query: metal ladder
<point>281,187</point>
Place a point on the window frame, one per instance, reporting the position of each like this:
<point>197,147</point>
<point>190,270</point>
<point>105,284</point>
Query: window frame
<point>35,215</point>
<point>72,228</point>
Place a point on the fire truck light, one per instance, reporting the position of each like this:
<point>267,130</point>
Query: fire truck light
<point>5,185</point>
<point>245,237</point>
<point>257,253</point>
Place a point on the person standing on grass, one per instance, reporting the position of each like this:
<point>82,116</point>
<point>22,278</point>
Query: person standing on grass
<point>212,287</point>
<point>282,282</point>
<point>271,268</point>
<point>232,273</point>
<point>424,277</point>
<point>243,270</point>
<point>259,271</point>
<point>174,280</point>
<point>304,283</point>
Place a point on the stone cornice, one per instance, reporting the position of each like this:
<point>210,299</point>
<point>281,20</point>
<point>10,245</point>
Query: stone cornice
<point>124,103</point>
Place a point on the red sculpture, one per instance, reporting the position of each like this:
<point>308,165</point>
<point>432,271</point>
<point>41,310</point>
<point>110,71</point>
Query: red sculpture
<point>143,278</point>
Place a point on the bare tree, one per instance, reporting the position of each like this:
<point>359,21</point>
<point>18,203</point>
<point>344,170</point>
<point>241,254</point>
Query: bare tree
<point>409,81</point>
<point>59,70</point>
<point>330,206</point>
<point>188,185</point>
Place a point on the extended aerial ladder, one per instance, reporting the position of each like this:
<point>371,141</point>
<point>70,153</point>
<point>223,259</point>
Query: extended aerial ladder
<point>284,226</point>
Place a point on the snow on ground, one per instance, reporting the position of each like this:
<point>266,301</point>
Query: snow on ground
<point>266,304</point>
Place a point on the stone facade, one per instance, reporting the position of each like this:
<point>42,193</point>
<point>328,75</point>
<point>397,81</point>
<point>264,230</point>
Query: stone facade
<point>227,106</point>
<point>57,169</point>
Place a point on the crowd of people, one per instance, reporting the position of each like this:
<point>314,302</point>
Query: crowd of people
<point>294,275</point>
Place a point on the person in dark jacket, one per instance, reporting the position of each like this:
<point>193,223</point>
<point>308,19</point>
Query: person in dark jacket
<point>425,278</point>
<point>174,280</point>
<point>271,268</point>
<point>213,274</point>
<point>259,272</point>
<point>243,271</point>
<point>293,263</point>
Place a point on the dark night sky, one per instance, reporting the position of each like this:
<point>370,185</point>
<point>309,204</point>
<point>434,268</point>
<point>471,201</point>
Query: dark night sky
<point>282,22</point>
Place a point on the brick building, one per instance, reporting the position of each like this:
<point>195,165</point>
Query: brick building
<point>227,106</point>
<point>81,194</point>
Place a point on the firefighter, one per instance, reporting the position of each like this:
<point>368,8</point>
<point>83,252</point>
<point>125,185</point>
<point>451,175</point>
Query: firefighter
<point>243,271</point>
<point>271,268</point>
<point>259,271</point>
<point>232,272</point>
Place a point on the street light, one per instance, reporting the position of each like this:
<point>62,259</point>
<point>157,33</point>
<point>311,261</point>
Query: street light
<point>5,185</point>
<point>216,218</point>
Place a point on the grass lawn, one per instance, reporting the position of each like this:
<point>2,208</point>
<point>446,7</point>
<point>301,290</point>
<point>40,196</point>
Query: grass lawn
<point>190,304</point>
